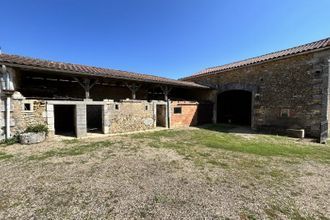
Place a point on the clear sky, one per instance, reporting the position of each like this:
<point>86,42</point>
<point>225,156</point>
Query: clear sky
<point>171,38</point>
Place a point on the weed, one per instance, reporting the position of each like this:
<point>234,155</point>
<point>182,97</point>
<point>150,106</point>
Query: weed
<point>37,128</point>
<point>10,141</point>
<point>4,156</point>
<point>71,141</point>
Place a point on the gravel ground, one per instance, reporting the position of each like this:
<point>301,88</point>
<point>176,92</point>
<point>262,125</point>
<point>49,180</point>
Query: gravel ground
<point>128,179</point>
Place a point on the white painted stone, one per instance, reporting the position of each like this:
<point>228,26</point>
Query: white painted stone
<point>50,107</point>
<point>32,137</point>
<point>17,96</point>
<point>148,121</point>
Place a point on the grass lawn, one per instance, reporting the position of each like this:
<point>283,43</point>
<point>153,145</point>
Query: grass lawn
<point>213,172</point>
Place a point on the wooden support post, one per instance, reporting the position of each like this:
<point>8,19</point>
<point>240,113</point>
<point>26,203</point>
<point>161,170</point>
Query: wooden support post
<point>166,90</point>
<point>134,88</point>
<point>86,85</point>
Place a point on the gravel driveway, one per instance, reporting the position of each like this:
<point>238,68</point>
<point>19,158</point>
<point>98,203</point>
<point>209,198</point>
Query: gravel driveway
<point>126,177</point>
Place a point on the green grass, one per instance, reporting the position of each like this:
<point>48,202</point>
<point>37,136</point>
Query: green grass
<point>72,150</point>
<point>4,156</point>
<point>71,141</point>
<point>10,141</point>
<point>219,137</point>
<point>275,211</point>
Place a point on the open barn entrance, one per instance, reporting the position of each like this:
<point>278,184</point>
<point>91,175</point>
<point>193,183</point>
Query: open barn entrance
<point>64,117</point>
<point>234,107</point>
<point>94,119</point>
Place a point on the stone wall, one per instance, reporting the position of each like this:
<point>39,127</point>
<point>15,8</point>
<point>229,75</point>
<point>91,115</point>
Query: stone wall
<point>298,83</point>
<point>130,115</point>
<point>188,115</point>
<point>21,118</point>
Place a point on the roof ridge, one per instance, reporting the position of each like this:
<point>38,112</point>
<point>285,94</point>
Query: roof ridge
<point>317,44</point>
<point>279,51</point>
<point>90,70</point>
<point>82,65</point>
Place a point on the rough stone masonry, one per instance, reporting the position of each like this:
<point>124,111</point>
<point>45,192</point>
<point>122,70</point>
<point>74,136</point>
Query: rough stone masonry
<point>298,84</point>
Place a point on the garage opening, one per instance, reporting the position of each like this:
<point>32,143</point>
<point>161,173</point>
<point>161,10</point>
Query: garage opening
<point>64,117</point>
<point>94,119</point>
<point>161,115</point>
<point>234,107</point>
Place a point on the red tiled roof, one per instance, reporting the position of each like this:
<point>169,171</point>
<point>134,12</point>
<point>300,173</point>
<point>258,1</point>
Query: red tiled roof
<point>267,57</point>
<point>32,63</point>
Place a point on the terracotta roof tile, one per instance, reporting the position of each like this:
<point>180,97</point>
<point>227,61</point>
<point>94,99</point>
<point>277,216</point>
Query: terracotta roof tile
<point>267,57</point>
<point>30,63</point>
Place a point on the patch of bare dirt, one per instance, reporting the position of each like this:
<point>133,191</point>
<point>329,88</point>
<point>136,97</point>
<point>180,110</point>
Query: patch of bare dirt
<point>245,132</point>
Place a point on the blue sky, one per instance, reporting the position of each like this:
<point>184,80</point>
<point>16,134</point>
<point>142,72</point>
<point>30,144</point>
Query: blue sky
<point>170,38</point>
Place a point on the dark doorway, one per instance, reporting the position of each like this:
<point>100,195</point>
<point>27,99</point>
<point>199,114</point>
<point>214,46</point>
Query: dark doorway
<point>204,113</point>
<point>234,107</point>
<point>94,118</point>
<point>64,120</point>
<point>161,115</point>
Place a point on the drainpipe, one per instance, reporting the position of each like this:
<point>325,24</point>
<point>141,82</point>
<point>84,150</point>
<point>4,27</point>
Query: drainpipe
<point>6,86</point>
<point>8,117</point>
<point>168,113</point>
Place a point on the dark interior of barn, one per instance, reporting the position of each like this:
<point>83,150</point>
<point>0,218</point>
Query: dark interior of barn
<point>64,116</point>
<point>234,107</point>
<point>94,118</point>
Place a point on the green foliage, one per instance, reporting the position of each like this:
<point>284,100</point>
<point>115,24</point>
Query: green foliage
<point>37,128</point>
<point>220,137</point>
<point>264,145</point>
<point>11,141</point>
<point>4,156</point>
<point>71,141</point>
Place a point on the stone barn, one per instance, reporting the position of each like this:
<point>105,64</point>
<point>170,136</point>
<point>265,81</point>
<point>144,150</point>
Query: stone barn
<point>285,91</point>
<point>75,100</point>
<point>282,91</point>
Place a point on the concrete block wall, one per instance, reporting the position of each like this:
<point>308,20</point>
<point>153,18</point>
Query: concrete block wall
<point>50,118</point>
<point>81,120</point>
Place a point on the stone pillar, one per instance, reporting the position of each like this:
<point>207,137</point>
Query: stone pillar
<point>215,106</point>
<point>325,103</point>
<point>81,120</point>
<point>254,94</point>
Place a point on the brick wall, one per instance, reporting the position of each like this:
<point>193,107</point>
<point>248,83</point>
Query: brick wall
<point>188,115</point>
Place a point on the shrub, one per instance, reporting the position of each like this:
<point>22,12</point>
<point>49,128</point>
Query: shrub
<point>37,128</point>
<point>13,140</point>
